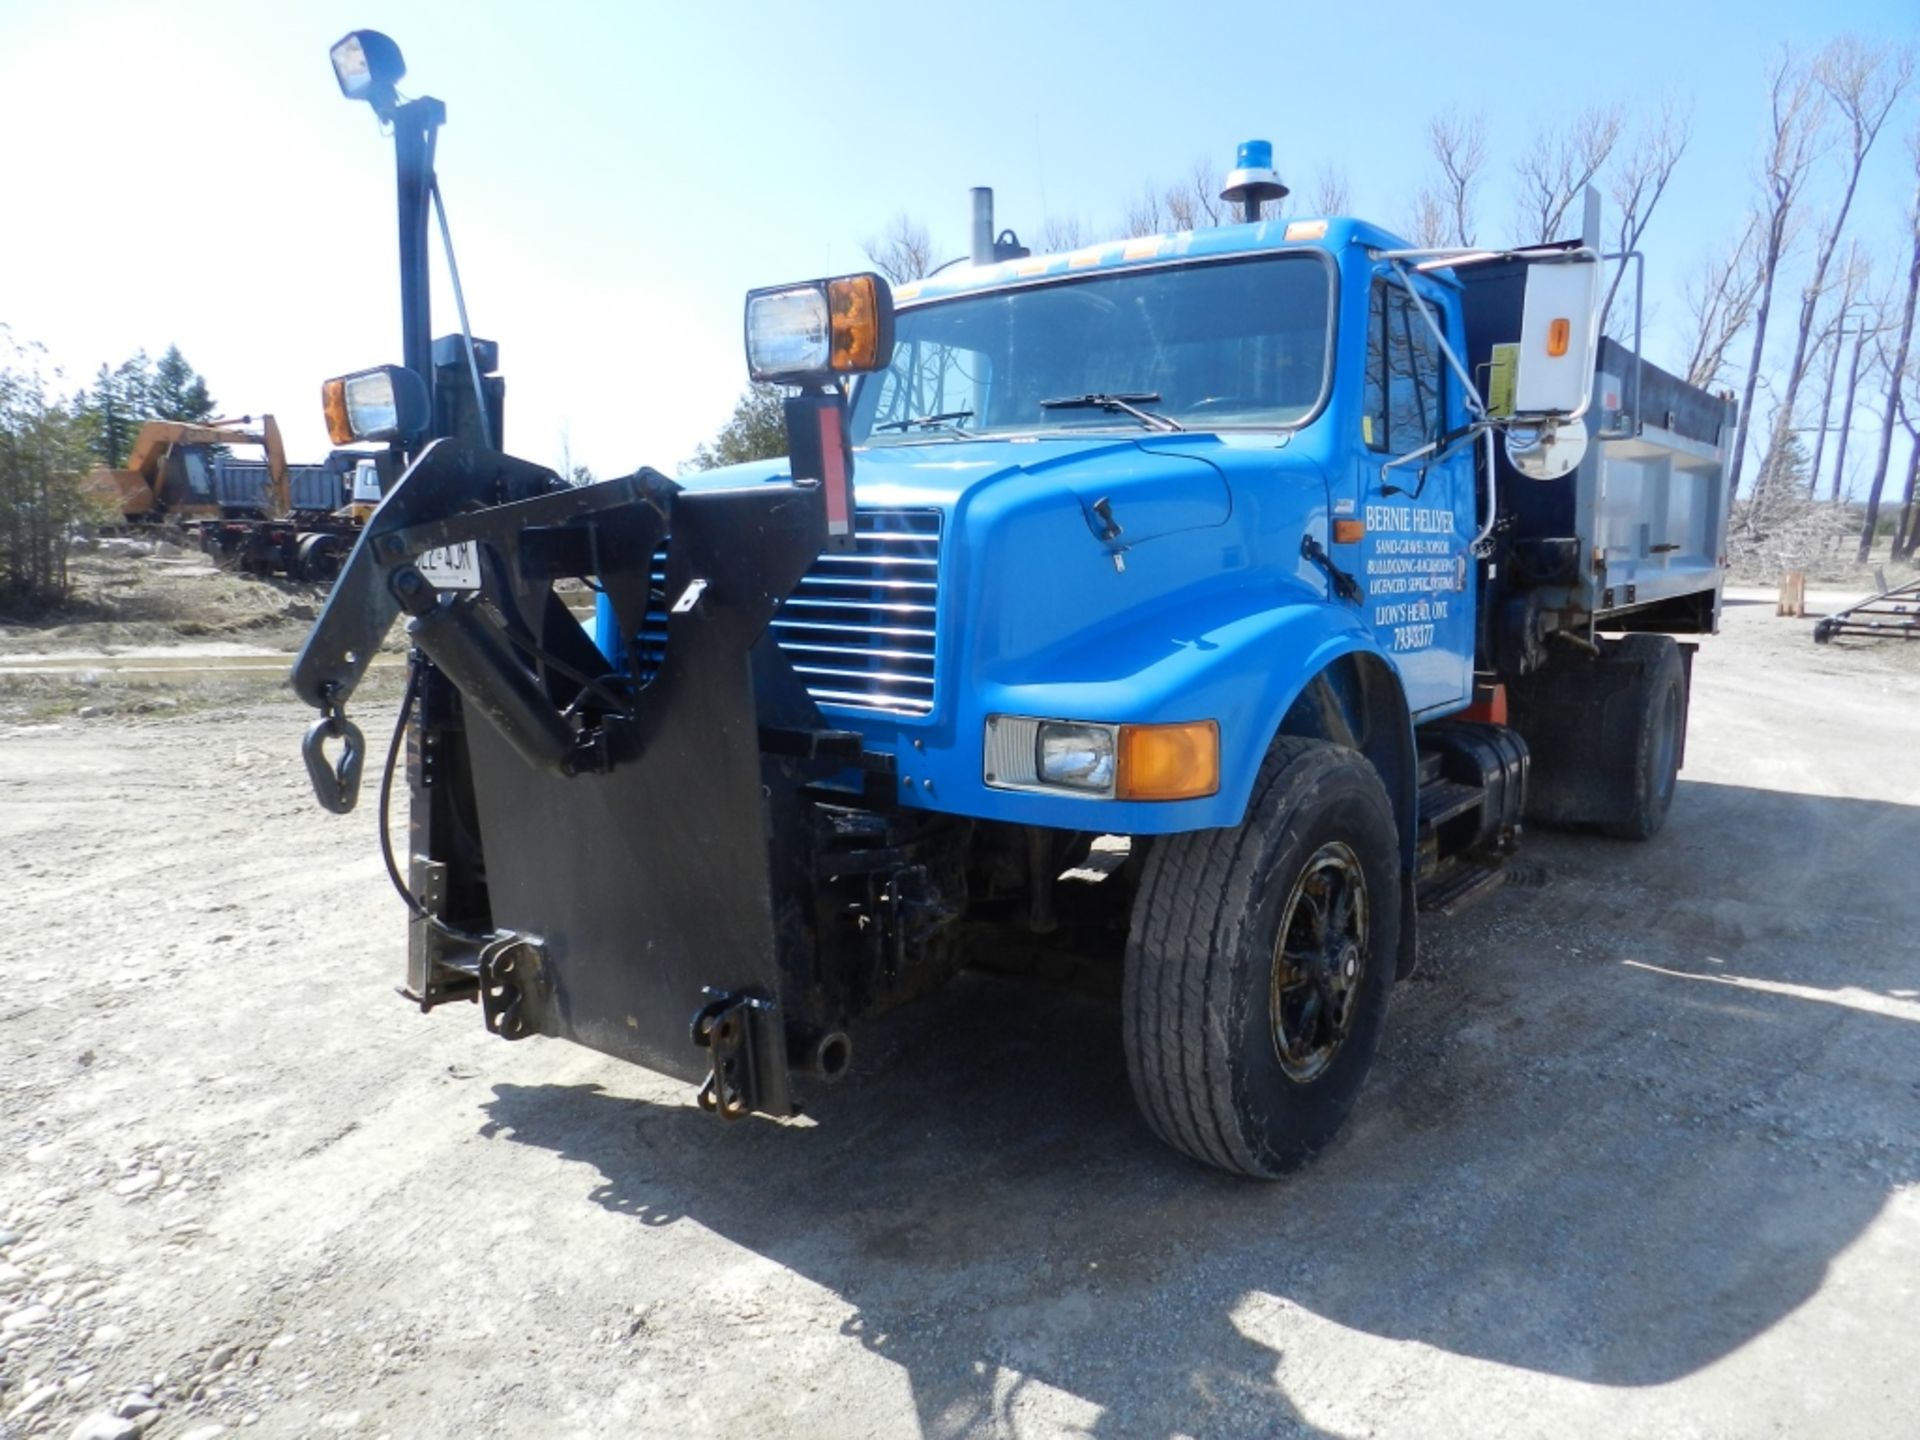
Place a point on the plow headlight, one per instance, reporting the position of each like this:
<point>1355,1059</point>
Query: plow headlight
<point>387,403</point>
<point>807,334</point>
<point>368,66</point>
<point>1104,762</point>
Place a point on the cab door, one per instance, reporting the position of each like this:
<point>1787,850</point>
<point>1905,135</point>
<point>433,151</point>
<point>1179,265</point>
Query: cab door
<point>1416,498</point>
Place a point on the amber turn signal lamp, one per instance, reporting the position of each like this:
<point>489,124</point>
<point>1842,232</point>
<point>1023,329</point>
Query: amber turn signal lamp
<point>1349,532</point>
<point>1169,762</point>
<point>333,400</point>
<point>853,305</point>
<point>1558,333</point>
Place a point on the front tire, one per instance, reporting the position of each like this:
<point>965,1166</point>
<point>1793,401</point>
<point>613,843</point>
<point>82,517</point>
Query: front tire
<point>1259,961</point>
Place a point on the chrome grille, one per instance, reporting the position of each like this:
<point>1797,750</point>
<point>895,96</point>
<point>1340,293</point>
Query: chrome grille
<point>860,629</point>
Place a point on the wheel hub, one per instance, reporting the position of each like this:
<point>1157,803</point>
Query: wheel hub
<point>1319,961</point>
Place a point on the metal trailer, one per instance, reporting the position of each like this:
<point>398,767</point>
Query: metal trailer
<point>1894,611</point>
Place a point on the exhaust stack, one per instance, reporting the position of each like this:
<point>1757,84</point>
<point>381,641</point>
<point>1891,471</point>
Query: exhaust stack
<point>982,251</point>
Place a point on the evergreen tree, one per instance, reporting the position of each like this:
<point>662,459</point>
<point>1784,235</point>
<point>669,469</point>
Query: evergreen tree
<point>178,391</point>
<point>134,391</point>
<point>757,430</point>
<point>43,454</point>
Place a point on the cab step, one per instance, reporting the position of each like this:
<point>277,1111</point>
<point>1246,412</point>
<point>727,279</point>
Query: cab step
<point>1444,800</point>
<point>1458,885</point>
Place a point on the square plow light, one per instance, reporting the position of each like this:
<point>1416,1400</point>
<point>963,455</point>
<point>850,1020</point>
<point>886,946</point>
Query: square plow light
<point>368,66</point>
<point>808,334</point>
<point>387,403</point>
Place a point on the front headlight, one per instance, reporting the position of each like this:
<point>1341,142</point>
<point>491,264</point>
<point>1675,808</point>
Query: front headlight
<point>1103,762</point>
<point>1079,757</point>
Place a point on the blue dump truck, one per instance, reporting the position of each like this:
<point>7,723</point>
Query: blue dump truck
<point>1206,605</point>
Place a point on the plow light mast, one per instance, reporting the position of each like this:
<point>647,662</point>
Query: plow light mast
<point>369,67</point>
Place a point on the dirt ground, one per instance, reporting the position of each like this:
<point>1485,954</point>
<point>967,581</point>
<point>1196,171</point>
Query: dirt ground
<point>1640,1155</point>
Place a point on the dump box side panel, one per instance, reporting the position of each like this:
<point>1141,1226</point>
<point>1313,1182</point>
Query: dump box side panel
<point>242,485</point>
<point>1659,492</point>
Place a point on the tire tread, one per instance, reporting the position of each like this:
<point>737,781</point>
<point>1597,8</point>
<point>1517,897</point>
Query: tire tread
<point>1198,889</point>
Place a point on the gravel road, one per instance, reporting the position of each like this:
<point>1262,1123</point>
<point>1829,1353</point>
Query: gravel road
<point>1639,1156</point>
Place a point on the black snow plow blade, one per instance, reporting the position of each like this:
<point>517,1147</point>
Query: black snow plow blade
<point>594,854</point>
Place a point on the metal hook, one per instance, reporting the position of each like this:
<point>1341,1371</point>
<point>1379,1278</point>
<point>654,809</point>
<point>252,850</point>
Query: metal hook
<point>336,787</point>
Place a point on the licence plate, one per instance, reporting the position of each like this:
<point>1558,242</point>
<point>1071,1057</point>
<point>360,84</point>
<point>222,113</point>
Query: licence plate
<point>451,567</point>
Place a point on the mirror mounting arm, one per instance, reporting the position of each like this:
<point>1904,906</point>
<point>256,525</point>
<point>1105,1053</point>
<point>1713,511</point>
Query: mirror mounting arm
<point>1468,388</point>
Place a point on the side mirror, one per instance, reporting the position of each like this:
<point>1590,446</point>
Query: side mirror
<point>1559,338</point>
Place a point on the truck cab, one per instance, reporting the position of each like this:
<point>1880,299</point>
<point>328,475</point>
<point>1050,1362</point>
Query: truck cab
<point>1178,555</point>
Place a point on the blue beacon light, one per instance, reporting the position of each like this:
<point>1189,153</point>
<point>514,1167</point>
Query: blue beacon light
<point>1252,180</point>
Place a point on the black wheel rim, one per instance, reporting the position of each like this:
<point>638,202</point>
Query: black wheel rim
<point>1666,739</point>
<point>1319,962</point>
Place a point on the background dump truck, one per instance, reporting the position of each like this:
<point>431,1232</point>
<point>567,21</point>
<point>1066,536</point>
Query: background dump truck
<point>1278,571</point>
<point>265,517</point>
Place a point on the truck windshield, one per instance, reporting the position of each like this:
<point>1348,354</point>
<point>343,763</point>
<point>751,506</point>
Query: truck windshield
<point>1209,345</point>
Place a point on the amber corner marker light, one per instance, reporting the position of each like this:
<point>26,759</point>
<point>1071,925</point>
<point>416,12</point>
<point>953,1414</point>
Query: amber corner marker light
<point>1169,762</point>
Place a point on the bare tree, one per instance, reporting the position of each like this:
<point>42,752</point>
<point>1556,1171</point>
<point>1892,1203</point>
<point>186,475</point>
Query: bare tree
<point>1058,234</point>
<point>1898,365</point>
<point>1906,533</point>
<point>1862,85</point>
<point>1795,118</point>
<point>1427,220</point>
<point>1459,146</point>
<point>1882,310</point>
<point>1195,203</point>
<point>1147,215</point>
<point>1558,167</point>
<point>1833,339</point>
<point>904,253</point>
<point>1331,195</point>
<point>1721,298</point>
<point>1639,184</point>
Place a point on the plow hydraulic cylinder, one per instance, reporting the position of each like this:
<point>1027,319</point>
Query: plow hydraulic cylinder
<point>471,651</point>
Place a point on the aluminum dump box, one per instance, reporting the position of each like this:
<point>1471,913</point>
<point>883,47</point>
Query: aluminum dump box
<point>1635,537</point>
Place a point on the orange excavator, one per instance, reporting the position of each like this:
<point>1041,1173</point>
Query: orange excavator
<point>169,472</point>
<point>295,522</point>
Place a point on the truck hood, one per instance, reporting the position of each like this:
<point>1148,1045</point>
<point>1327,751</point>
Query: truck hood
<point>1151,486</point>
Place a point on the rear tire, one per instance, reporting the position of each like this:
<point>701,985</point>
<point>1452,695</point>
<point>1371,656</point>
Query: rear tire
<point>1259,962</point>
<point>1659,707</point>
<point>1604,735</point>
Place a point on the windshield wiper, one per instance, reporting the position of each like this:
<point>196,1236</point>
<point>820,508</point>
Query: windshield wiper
<point>1123,404</point>
<point>949,418</point>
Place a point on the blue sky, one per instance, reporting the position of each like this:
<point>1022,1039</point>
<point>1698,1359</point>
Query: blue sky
<point>618,175</point>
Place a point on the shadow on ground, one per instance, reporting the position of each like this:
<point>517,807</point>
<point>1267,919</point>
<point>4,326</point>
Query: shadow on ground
<point>1571,1158</point>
